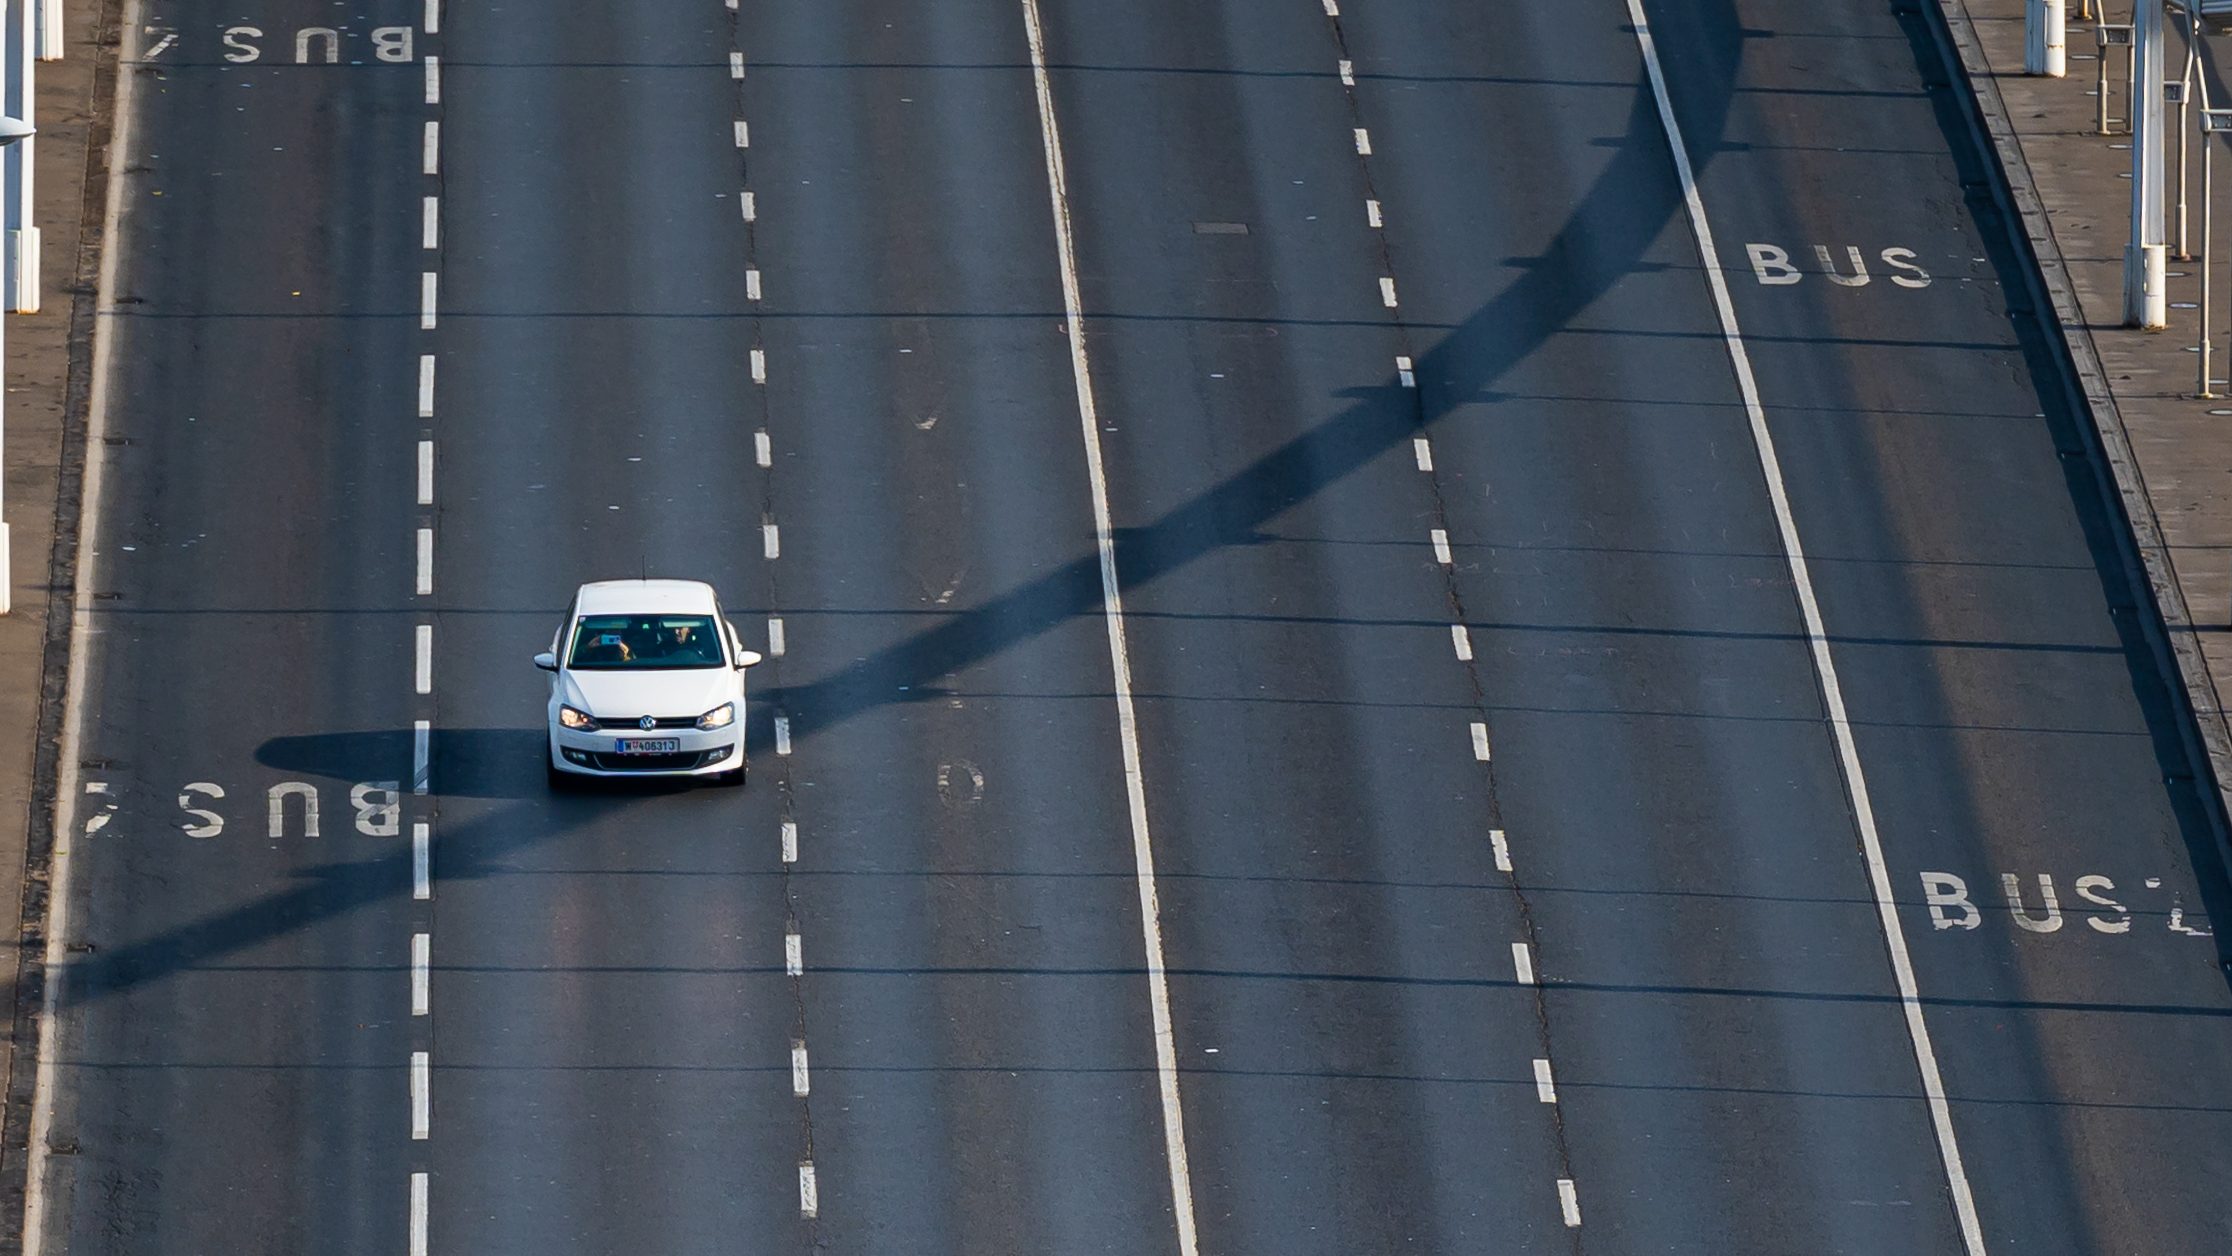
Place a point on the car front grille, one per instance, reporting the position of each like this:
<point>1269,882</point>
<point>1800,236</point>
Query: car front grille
<point>682,762</point>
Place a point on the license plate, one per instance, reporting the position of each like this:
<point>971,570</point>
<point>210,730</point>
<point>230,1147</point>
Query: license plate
<point>646,745</point>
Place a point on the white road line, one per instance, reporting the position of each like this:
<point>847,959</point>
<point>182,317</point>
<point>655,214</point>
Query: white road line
<point>750,205</point>
<point>794,955</point>
<point>809,1199</point>
<point>1462,641</point>
<point>418,1180</point>
<point>1348,73</point>
<point>1372,213</point>
<point>426,473</point>
<point>1387,291</point>
<point>1522,963</point>
<point>433,80</point>
<point>1363,142</point>
<point>1423,450</point>
<point>743,133</point>
<point>763,449</point>
<point>421,1102</point>
<point>430,154</point>
<point>790,841</point>
<point>1501,849</point>
<point>1403,372</point>
<point>1332,8</point>
<point>1545,1089</point>
<point>782,734</point>
<point>1569,1203</point>
<point>771,539</point>
<point>424,652</point>
<point>428,282</point>
<point>775,641</point>
<point>1480,741</point>
<point>426,386</point>
<point>422,736</point>
<point>801,1082</point>
<point>425,561</point>
<point>1825,669</point>
<point>422,863</point>
<point>422,961</point>
<point>1440,538</point>
<point>751,285</point>
<point>759,366</point>
<point>736,65</point>
<point>430,223</point>
<point>433,22</point>
<point>1119,651</point>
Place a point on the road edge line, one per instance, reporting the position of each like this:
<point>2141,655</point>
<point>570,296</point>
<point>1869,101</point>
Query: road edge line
<point>1119,652</point>
<point>1825,668</point>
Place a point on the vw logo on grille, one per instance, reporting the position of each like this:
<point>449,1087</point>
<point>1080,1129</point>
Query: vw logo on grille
<point>647,723</point>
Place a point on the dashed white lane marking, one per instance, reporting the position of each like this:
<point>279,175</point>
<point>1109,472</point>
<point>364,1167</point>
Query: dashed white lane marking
<point>424,651</point>
<point>1348,73</point>
<point>743,133</point>
<point>433,80</point>
<point>1825,668</point>
<point>430,153</point>
<point>428,283</point>
<point>1387,291</point>
<point>752,285</point>
<point>426,473</point>
<point>775,643</point>
<point>1372,214</point>
<point>1480,741</point>
<point>430,223</point>
<point>421,1101</point>
<point>422,961</point>
<point>771,539</point>
<point>1522,963</point>
<point>782,734</point>
<point>1403,372</point>
<point>425,561</point>
<point>1501,848</point>
<point>750,205</point>
<point>1363,142</point>
<point>759,366</point>
<point>426,386</point>
<point>1423,451</point>
<point>1461,640</point>
<point>1119,651</point>
<point>801,1080</point>
<point>1332,8</point>
<point>422,863</point>
<point>418,1184</point>
<point>763,449</point>
<point>433,22</point>
<point>1440,538</point>
<point>736,65</point>
<point>1545,1089</point>
<point>809,1199</point>
<point>794,955</point>
<point>422,737</point>
<point>790,841</point>
<point>1569,1203</point>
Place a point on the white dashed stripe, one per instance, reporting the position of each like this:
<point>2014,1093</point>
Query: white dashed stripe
<point>421,1101</point>
<point>1440,538</point>
<point>423,649</point>
<point>1462,640</point>
<point>426,386</point>
<point>1423,452</point>
<point>1545,1089</point>
<point>1480,741</point>
<point>1569,1203</point>
<point>1522,963</point>
<point>422,961</point>
<point>433,80</point>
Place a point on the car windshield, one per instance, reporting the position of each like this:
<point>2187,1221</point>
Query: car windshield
<point>644,642</point>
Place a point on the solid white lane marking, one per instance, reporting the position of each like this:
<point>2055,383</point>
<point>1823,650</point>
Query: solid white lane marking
<point>422,879</point>
<point>809,1198</point>
<point>790,841</point>
<point>801,1082</point>
<point>1119,651</point>
<point>422,736</point>
<point>422,961</point>
<point>1501,848</point>
<point>736,65</point>
<point>1372,213</point>
<point>424,650</point>
<point>421,1101</point>
<point>771,540</point>
<point>433,80</point>
<point>1462,641</point>
<point>1423,451</point>
<point>751,285</point>
<point>1403,372</point>
<point>1440,538</point>
<point>1387,291</point>
<point>751,207</point>
<point>430,223</point>
<point>763,449</point>
<point>426,386</point>
<point>775,643</point>
<point>1522,963</point>
<point>1348,73</point>
<point>1363,142</point>
<point>425,561</point>
<point>1825,669</point>
<point>427,284</point>
<point>782,734</point>
<point>743,133</point>
<point>1480,741</point>
<point>433,22</point>
<point>1569,1203</point>
<point>794,955</point>
<point>418,1180</point>
<point>430,154</point>
<point>426,473</point>
<point>1545,1089</point>
<point>759,366</point>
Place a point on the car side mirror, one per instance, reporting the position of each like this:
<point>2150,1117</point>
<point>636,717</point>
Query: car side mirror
<point>747,658</point>
<point>547,661</point>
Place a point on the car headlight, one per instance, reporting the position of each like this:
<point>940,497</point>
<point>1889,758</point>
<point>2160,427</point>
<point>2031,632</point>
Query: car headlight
<point>719,717</point>
<point>579,721</point>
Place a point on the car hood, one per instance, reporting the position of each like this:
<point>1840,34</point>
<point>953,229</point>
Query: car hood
<point>624,695</point>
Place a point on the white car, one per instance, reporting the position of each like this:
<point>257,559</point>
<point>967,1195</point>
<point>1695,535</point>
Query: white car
<point>647,679</point>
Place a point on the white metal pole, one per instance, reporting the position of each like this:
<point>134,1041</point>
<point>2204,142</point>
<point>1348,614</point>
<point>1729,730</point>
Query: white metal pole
<point>2185,137</point>
<point>2146,260</point>
<point>23,233</point>
<point>2207,201</point>
<point>50,30</point>
<point>2044,25</point>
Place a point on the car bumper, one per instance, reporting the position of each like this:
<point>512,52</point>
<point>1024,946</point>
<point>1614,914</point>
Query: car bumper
<point>697,753</point>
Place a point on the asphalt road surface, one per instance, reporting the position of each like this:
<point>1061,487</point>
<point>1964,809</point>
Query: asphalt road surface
<point>1306,711</point>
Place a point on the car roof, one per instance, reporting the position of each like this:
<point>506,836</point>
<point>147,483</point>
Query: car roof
<point>646,597</point>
